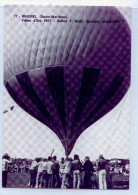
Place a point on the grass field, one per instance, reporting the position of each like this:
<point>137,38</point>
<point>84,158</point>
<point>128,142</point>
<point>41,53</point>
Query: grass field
<point>18,180</point>
<point>21,180</point>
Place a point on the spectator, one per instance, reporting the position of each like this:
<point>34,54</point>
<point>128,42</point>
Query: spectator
<point>55,173</point>
<point>49,171</point>
<point>61,167</point>
<point>102,172</point>
<point>109,174</point>
<point>39,177</point>
<point>88,171</point>
<point>33,173</point>
<point>5,161</point>
<point>76,167</point>
<point>45,175</point>
<point>66,173</point>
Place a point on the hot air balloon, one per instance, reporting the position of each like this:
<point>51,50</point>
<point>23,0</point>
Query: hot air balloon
<point>69,74</point>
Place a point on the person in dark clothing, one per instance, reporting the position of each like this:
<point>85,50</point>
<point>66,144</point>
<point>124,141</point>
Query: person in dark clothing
<point>55,173</point>
<point>108,176</point>
<point>102,164</point>
<point>88,171</point>
<point>5,161</point>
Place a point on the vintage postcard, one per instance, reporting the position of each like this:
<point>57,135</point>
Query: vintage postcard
<point>66,107</point>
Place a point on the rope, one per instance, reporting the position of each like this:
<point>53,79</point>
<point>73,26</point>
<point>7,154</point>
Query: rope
<point>115,126</point>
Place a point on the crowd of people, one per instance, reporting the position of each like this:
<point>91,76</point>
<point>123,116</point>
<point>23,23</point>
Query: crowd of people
<point>67,173</point>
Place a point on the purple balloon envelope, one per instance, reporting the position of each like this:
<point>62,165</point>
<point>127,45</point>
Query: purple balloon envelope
<point>79,75</point>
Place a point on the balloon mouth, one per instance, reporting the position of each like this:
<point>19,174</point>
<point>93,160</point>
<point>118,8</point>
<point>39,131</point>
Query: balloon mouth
<point>68,99</point>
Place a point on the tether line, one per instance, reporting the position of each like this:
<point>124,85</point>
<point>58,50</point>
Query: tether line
<point>115,127</point>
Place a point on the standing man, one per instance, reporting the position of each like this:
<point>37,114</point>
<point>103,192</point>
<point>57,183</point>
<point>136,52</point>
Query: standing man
<point>66,173</point>
<point>55,173</point>
<point>5,161</point>
<point>61,168</point>
<point>49,165</point>
<point>102,163</point>
<point>45,175</point>
<point>76,167</point>
<point>39,177</point>
<point>33,173</point>
<point>88,171</point>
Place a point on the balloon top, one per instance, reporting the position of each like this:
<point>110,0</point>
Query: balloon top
<point>91,37</point>
<point>69,74</point>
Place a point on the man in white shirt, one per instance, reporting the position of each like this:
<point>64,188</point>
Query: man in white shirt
<point>61,168</point>
<point>39,177</point>
<point>66,173</point>
<point>55,173</point>
<point>49,171</point>
<point>45,175</point>
<point>76,167</point>
<point>33,173</point>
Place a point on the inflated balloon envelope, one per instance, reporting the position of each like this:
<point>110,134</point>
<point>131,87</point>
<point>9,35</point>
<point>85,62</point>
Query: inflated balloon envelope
<point>71,73</point>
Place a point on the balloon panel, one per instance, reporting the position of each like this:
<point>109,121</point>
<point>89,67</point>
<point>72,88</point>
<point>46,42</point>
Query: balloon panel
<point>52,97</point>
